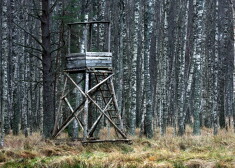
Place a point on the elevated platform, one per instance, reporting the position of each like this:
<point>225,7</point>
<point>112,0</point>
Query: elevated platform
<point>97,105</point>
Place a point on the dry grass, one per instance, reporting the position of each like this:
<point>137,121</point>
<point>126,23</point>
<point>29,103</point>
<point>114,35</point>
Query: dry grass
<point>205,151</point>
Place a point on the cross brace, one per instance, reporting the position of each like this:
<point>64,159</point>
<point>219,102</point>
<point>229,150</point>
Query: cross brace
<point>81,111</point>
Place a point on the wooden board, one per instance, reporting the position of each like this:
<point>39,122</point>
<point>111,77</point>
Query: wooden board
<point>98,54</point>
<point>108,141</point>
<point>89,60</point>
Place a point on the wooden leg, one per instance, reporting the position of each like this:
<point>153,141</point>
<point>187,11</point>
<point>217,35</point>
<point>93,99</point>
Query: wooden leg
<point>116,104</point>
<point>59,109</point>
<point>86,107</point>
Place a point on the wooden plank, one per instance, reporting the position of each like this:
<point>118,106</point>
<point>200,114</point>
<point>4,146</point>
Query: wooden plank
<point>101,70</point>
<point>75,55</point>
<point>85,38</point>
<point>101,54</point>
<point>86,107</point>
<point>94,65</point>
<point>75,58</point>
<point>98,58</point>
<point>110,140</point>
<point>116,104</point>
<point>59,109</point>
<point>98,62</point>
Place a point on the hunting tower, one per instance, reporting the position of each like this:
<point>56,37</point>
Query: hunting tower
<point>89,56</point>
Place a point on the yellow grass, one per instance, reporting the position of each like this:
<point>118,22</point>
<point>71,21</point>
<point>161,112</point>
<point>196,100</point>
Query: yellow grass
<point>169,151</point>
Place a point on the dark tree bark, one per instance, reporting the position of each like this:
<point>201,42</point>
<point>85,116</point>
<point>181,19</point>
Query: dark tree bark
<point>48,84</point>
<point>148,127</point>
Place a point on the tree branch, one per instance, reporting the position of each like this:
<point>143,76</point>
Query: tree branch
<point>38,15</point>
<point>29,47</point>
<point>34,55</point>
<point>53,6</point>
<point>35,38</point>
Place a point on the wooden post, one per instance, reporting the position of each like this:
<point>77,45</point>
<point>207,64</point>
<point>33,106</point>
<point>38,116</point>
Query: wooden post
<point>85,37</point>
<point>116,104</point>
<point>59,109</point>
<point>86,107</point>
<point>69,39</point>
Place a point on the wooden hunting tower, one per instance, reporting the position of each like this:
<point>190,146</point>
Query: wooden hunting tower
<point>91,59</point>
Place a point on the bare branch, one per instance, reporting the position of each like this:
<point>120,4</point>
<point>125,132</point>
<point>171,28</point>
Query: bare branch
<point>34,55</point>
<point>53,6</point>
<point>36,11</point>
<point>35,16</point>
<point>29,47</point>
<point>34,37</point>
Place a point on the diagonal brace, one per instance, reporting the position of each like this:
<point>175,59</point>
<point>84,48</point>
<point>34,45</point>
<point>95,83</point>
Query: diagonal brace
<point>98,119</point>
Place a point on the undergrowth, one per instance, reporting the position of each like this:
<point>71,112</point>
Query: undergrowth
<point>168,151</point>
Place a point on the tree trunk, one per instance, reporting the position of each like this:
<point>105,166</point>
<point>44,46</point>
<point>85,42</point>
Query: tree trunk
<point>48,84</point>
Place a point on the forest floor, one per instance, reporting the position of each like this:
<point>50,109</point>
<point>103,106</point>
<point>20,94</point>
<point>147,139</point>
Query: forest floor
<point>204,151</point>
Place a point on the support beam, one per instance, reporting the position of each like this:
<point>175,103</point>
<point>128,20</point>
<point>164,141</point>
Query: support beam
<point>71,79</point>
<point>86,107</point>
<point>71,109</point>
<point>98,119</point>
<point>59,109</point>
<point>116,103</point>
<point>99,84</point>
<point>69,119</point>
<point>64,95</point>
<point>101,111</point>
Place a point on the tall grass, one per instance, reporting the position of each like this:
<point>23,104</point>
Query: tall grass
<point>167,151</point>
